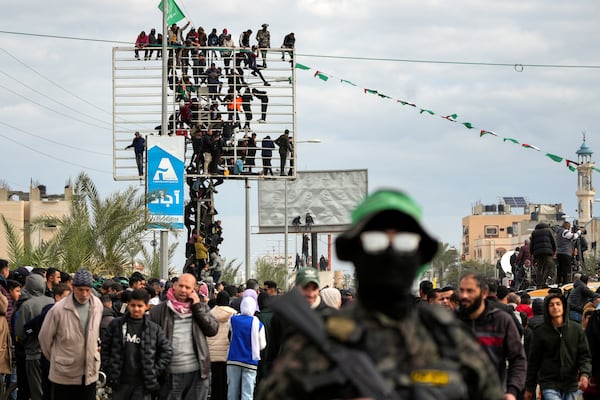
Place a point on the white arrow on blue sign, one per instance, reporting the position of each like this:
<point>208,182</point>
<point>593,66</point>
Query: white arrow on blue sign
<point>165,185</point>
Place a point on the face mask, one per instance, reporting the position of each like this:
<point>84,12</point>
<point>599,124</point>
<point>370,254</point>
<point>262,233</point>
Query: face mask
<point>385,280</point>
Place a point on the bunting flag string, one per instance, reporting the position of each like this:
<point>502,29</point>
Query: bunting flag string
<point>528,146</point>
<point>571,165</point>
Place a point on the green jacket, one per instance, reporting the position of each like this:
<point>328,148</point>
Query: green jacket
<point>558,356</point>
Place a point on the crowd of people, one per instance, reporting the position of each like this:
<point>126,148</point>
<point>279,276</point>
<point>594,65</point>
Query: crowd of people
<point>195,337</point>
<point>549,255</point>
<point>177,339</point>
<point>210,76</point>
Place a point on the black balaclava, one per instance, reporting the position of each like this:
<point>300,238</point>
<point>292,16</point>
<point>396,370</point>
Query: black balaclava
<point>385,279</point>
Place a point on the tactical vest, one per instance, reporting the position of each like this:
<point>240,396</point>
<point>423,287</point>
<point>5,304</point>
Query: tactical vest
<point>439,377</point>
<point>382,362</point>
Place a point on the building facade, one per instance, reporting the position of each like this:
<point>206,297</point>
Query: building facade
<point>493,229</point>
<point>19,209</point>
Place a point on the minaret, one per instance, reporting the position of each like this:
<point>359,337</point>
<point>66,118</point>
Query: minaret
<point>585,190</point>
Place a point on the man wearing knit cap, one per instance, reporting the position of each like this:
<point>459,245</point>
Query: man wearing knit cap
<point>69,339</point>
<point>382,346</point>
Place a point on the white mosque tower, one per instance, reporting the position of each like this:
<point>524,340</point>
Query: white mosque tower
<point>585,190</point>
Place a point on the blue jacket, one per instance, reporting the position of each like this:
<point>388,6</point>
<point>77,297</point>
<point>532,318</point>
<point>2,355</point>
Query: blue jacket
<point>240,347</point>
<point>267,146</point>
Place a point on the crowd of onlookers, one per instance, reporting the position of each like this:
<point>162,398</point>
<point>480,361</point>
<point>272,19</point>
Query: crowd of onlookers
<point>188,335</point>
<point>214,82</point>
<point>550,340</point>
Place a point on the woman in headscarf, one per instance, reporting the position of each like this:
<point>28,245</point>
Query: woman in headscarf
<point>247,340</point>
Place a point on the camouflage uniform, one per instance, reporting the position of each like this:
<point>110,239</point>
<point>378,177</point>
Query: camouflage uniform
<point>404,352</point>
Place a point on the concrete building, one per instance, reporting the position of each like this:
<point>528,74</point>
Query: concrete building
<point>20,208</point>
<point>493,229</point>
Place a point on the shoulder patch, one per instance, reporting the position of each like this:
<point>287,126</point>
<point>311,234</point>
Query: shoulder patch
<point>341,328</point>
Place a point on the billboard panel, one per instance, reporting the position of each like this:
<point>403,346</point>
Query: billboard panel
<point>165,179</point>
<point>328,196</point>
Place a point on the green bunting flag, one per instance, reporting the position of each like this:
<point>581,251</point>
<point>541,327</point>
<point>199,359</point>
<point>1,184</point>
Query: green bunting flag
<point>321,76</point>
<point>484,132</point>
<point>174,13</point>
<point>554,157</point>
<point>507,139</point>
<point>173,8</point>
<point>529,146</point>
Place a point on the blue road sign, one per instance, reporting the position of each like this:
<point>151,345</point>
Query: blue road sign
<point>165,180</point>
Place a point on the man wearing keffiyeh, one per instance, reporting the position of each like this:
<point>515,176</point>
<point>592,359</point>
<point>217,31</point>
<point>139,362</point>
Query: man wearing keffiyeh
<point>186,314</point>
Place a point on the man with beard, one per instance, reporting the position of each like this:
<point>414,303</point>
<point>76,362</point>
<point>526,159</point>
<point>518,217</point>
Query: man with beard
<point>496,331</point>
<point>382,346</point>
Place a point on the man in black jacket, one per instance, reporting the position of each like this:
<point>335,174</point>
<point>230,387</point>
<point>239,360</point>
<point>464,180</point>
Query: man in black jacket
<point>496,331</point>
<point>135,351</point>
<point>542,246</point>
<point>182,316</point>
<point>559,359</point>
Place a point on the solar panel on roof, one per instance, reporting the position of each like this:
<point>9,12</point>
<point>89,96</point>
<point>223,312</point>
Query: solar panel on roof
<point>520,201</point>
<point>516,201</point>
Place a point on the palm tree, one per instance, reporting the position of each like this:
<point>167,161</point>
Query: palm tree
<point>231,273</point>
<point>444,258</point>
<point>100,233</point>
<point>21,253</point>
<point>266,271</point>
<point>151,260</point>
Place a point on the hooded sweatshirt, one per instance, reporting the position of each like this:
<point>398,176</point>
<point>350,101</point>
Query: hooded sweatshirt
<point>31,308</point>
<point>558,356</point>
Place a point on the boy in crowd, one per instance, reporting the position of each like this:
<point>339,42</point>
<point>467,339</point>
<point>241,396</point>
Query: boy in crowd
<point>132,341</point>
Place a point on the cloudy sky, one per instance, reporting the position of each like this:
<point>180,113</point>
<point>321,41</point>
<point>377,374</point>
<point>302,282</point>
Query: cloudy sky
<point>56,98</point>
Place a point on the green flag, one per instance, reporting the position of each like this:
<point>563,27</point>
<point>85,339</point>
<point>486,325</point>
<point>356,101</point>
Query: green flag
<point>174,13</point>
<point>468,125</point>
<point>554,157</point>
<point>422,110</point>
<point>301,66</point>
<point>507,139</point>
<point>348,82</point>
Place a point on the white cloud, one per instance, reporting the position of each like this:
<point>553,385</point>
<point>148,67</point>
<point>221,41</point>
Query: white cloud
<point>446,166</point>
